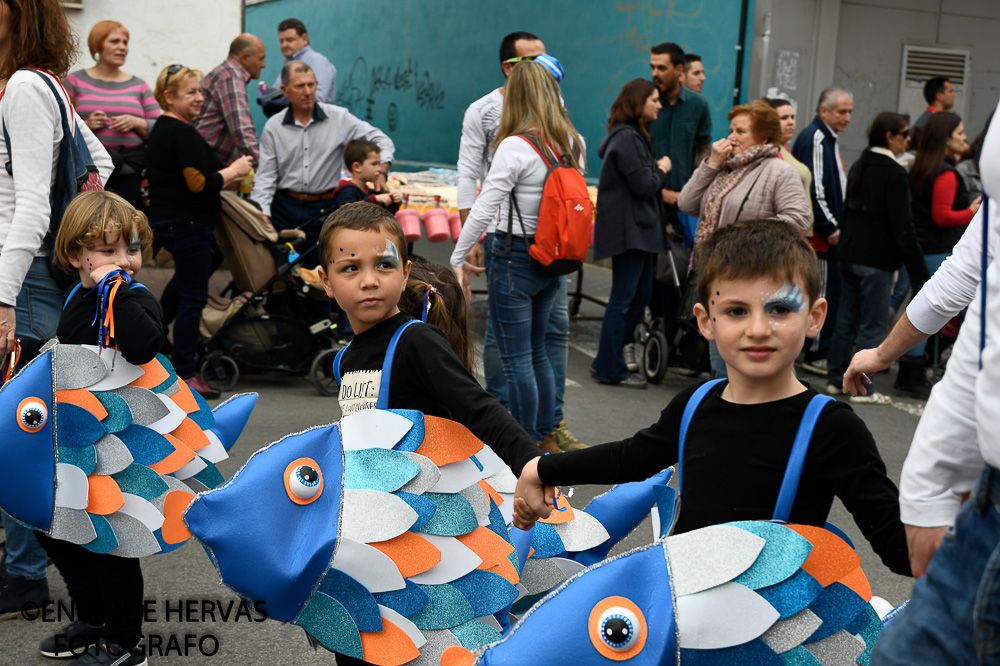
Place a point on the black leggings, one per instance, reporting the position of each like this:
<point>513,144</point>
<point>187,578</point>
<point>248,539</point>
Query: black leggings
<point>105,589</point>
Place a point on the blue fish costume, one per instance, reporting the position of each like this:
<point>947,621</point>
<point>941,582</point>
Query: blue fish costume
<point>103,450</point>
<point>385,535</point>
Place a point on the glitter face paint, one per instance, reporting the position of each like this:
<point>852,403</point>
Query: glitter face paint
<point>391,253</point>
<point>788,297</point>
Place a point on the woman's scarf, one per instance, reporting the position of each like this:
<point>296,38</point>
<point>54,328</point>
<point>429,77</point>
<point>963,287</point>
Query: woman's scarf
<point>729,175</point>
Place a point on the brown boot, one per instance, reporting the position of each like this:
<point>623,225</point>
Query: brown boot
<point>549,444</point>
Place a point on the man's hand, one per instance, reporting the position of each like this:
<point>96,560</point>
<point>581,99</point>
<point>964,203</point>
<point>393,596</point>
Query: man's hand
<point>663,164</point>
<point>922,542</point>
<point>532,498</point>
<point>865,362</point>
<point>833,238</point>
<point>8,325</point>
<point>669,197</point>
<point>476,255</point>
<point>462,274</point>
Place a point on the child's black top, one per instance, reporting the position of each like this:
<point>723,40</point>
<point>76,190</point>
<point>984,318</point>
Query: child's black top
<point>735,458</point>
<point>138,322</point>
<point>427,376</point>
<point>347,192</point>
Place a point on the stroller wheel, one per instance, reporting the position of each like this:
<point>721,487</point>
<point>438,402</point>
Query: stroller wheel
<point>641,332</point>
<point>220,371</point>
<point>654,356</point>
<point>321,373</point>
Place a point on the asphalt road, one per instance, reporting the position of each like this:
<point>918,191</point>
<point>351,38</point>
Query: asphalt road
<point>595,413</point>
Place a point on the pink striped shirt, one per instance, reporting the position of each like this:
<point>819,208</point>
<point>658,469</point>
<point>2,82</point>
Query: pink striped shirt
<point>132,97</point>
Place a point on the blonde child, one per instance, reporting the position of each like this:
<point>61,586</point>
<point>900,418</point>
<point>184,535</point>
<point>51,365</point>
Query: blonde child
<point>102,236</point>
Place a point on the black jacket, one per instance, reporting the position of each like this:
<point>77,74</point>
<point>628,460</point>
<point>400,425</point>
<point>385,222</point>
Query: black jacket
<point>877,230</point>
<point>628,203</point>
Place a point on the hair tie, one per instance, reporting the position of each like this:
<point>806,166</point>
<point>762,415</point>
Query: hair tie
<point>427,301</point>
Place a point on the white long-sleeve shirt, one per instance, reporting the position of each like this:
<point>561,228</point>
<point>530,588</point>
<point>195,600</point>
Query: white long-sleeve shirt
<point>479,129</point>
<point>31,115</point>
<point>515,164</point>
<point>958,430</point>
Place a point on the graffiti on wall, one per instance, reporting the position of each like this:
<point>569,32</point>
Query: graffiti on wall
<point>372,91</point>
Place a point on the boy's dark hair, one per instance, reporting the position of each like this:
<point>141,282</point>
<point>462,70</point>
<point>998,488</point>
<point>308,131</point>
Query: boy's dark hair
<point>933,87</point>
<point>360,216</point>
<point>690,58</point>
<point>507,50</point>
<point>293,23</point>
<point>675,52</point>
<point>448,309</point>
<point>754,249</point>
<point>358,150</point>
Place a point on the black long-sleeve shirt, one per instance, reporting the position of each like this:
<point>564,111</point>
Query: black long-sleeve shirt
<point>427,376</point>
<point>138,322</point>
<point>183,171</point>
<point>734,461</point>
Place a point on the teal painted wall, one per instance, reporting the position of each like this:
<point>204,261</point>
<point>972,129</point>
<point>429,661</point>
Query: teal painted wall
<point>411,68</point>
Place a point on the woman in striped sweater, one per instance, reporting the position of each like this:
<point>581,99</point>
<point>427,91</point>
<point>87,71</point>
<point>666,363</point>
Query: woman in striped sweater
<point>118,107</point>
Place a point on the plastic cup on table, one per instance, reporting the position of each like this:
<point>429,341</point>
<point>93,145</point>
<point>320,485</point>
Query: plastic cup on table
<point>455,222</point>
<point>436,223</point>
<point>409,219</point>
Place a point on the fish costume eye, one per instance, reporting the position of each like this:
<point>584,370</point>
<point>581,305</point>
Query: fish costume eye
<point>303,481</point>
<point>617,628</point>
<point>32,414</point>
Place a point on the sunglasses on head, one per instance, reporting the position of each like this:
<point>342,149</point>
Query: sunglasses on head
<point>173,69</point>
<point>520,58</point>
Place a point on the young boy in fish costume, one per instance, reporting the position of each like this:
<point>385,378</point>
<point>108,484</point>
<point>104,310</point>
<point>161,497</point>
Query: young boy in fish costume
<point>758,289</point>
<point>100,235</point>
<point>364,266</point>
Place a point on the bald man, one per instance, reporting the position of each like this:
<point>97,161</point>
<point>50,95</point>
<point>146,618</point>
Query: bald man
<point>225,120</point>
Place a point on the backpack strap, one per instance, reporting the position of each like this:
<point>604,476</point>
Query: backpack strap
<point>532,140</point>
<point>390,354</point>
<point>793,471</point>
<point>383,395</point>
<point>72,293</point>
<point>689,410</point>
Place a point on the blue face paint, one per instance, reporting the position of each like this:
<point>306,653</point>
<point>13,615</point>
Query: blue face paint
<point>789,296</point>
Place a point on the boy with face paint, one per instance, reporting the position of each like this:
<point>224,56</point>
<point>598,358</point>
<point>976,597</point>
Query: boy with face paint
<point>364,266</point>
<point>757,284</point>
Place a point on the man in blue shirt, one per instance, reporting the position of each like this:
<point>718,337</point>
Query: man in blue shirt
<point>294,42</point>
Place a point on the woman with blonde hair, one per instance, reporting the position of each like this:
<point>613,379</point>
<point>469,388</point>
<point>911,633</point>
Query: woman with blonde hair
<point>117,106</point>
<point>744,179</point>
<point>185,179</point>
<point>520,297</point>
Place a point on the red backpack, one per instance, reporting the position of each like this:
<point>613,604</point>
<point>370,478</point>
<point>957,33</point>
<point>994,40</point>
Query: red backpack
<point>565,217</point>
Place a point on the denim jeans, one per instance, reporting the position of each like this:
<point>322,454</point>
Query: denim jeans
<point>185,295</point>
<point>520,300</point>
<point>862,322</point>
<point>899,289</point>
<point>954,612</point>
<point>556,341</point>
<point>933,262</point>
<point>829,276</point>
<point>631,285</point>
<point>39,305</point>
<point>288,213</point>
<point>719,369</point>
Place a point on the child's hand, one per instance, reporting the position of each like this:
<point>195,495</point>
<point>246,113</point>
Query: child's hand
<point>532,498</point>
<point>101,272</point>
<point>385,198</point>
<point>396,198</point>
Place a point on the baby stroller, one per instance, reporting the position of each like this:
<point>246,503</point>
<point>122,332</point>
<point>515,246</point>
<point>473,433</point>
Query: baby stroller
<point>265,319</point>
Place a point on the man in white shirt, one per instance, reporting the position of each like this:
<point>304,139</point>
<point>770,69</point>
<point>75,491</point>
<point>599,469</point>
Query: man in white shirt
<point>952,616</point>
<point>475,153</point>
<point>302,154</point>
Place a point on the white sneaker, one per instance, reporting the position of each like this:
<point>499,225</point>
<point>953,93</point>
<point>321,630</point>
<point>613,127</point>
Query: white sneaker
<point>873,398</point>
<point>817,367</point>
<point>833,389</point>
<point>628,354</point>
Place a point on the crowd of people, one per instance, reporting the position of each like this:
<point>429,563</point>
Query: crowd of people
<point>762,244</point>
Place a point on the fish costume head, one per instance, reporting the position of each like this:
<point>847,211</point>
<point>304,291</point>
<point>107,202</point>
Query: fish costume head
<point>751,593</point>
<point>99,451</point>
<point>385,536</point>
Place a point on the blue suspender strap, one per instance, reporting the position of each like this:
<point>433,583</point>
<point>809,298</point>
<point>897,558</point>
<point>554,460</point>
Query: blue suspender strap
<point>390,353</point>
<point>985,219</point>
<point>689,410</point>
<point>793,471</point>
<point>336,364</point>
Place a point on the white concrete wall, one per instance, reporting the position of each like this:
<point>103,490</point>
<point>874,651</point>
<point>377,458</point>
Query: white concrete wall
<point>868,38</point>
<point>195,33</point>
